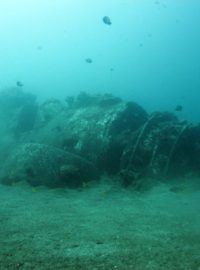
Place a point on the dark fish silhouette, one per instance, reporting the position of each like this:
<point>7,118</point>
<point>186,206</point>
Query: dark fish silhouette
<point>88,60</point>
<point>107,20</point>
<point>19,84</point>
<point>179,108</point>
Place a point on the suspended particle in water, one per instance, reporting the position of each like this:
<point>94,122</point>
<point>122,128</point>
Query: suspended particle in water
<point>39,47</point>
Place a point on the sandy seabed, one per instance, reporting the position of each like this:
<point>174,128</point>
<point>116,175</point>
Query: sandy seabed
<point>99,227</point>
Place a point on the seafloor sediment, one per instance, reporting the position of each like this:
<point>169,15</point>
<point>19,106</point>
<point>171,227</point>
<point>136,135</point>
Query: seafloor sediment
<point>99,227</point>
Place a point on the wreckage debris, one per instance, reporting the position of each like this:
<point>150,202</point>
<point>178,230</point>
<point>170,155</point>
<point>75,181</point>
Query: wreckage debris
<point>100,133</point>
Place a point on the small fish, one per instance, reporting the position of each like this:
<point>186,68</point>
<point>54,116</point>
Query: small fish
<point>88,60</point>
<point>107,20</point>
<point>179,108</point>
<point>19,84</point>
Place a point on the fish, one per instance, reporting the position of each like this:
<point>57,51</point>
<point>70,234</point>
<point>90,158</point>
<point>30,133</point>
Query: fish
<point>179,108</point>
<point>88,60</point>
<point>19,84</point>
<point>107,20</point>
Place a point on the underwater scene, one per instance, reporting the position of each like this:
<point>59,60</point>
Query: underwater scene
<point>100,135</point>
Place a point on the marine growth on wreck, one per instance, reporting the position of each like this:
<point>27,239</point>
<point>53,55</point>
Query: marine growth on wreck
<point>71,142</point>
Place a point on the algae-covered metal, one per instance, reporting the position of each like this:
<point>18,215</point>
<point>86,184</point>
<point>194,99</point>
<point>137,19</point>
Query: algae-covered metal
<point>92,133</point>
